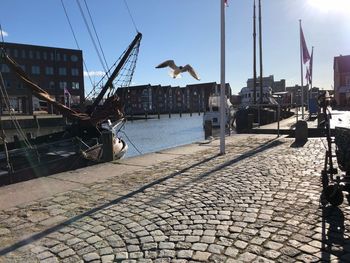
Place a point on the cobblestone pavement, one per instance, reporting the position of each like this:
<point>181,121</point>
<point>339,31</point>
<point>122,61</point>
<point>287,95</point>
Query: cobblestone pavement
<point>257,203</point>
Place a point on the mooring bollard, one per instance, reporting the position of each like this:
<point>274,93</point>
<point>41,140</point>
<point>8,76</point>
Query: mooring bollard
<point>250,121</point>
<point>208,129</point>
<point>107,146</point>
<point>301,131</point>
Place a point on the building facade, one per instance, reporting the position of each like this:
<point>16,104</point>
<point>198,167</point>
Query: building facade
<point>341,67</point>
<point>276,86</point>
<point>158,99</point>
<point>55,70</point>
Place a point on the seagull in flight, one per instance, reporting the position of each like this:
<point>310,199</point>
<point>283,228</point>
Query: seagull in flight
<point>176,70</point>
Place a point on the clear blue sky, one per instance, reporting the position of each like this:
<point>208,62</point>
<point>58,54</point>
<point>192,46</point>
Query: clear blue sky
<point>188,31</point>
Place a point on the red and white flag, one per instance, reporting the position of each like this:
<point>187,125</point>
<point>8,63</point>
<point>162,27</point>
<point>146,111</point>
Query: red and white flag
<point>66,97</point>
<point>226,4</point>
<point>305,51</point>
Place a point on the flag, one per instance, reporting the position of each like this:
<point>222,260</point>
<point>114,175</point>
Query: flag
<point>306,55</point>
<point>66,97</point>
<point>226,4</point>
<point>307,75</point>
<point>66,92</point>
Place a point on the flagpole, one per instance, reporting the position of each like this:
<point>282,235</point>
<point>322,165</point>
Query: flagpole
<point>311,66</point>
<point>254,51</point>
<point>261,66</point>
<point>302,75</point>
<point>222,88</point>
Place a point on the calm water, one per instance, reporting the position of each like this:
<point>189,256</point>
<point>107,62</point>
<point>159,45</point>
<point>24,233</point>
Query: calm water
<point>156,134</point>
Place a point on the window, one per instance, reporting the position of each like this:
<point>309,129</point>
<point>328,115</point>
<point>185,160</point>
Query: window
<point>49,70</point>
<point>75,72</point>
<point>20,85</point>
<point>24,54</point>
<point>35,70</point>
<point>74,58</point>
<point>347,80</point>
<point>52,57</point>
<point>37,55</point>
<point>62,71</point>
<point>51,85</point>
<point>4,68</point>
<point>75,85</point>
<point>23,67</point>
<point>44,55</point>
<point>58,56</point>
<point>63,84</point>
<point>64,57</point>
<point>15,53</point>
<point>30,54</point>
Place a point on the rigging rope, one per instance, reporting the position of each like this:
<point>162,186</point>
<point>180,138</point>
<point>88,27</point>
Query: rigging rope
<point>123,132</point>
<point>76,41</point>
<point>91,36</point>
<point>125,75</point>
<point>132,19</point>
<point>98,39</point>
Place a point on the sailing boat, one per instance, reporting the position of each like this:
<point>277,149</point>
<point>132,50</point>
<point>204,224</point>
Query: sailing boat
<point>86,141</point>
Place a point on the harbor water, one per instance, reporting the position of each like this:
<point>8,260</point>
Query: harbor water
<point>151,135</point>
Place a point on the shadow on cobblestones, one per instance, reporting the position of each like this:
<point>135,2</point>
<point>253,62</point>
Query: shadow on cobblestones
<point>53,229</point>
<point>333,230</point>
<point>263,147</point>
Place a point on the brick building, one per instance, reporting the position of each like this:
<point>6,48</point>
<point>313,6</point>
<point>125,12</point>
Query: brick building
<point>53,69</point>
<point>341,69</point>
<point>154,99</point>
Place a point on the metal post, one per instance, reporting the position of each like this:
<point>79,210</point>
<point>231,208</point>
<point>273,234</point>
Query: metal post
<point>302,75</point>
<point>222,89</point>
<point>278,119</point>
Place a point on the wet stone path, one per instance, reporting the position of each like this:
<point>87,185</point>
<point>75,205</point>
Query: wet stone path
<point>257,203</point>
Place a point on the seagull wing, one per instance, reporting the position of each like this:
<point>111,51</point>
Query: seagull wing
<point>191,71</point>
<point>168,63</point>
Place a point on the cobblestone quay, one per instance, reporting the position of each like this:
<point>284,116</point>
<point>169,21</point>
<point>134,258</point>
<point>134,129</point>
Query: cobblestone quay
<point>257,203</point>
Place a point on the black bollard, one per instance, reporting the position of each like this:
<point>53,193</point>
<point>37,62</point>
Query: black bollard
<point>107,146</point>
<point>208,129</point>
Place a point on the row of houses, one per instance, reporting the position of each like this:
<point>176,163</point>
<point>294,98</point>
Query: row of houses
<point>158,99</point>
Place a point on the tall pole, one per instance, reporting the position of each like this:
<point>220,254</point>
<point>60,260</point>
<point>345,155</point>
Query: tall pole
<point>260,51</point>
<point>254,52</point>
<point>301,74</point>
<point>222,88</point>
<point>311,67</point>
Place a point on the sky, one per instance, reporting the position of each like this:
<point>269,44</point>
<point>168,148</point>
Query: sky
<point>188,31</point>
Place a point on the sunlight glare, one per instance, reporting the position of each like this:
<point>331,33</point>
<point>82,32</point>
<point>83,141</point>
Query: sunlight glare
<point>331,5</point>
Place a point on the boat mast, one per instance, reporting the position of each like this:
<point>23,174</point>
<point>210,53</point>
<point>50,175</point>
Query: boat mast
<point>254,50</point>
<point>110,80</point>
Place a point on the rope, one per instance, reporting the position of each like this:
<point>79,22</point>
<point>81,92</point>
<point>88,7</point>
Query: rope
<point>119,130</point>
<point>98,39</point>
<point>91,37</point>
<point>125,75</point>
<point>132,19</point>
<point>76,41</point>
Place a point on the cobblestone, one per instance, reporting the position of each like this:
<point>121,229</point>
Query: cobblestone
<point>257,203</point>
